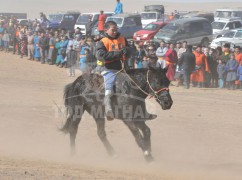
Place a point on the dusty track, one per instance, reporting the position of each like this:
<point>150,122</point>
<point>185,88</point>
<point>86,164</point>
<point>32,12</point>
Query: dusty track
<point>199,138</point>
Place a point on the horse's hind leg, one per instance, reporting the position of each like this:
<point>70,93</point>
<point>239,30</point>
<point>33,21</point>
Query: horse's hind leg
<point>102,135</point>
<point>146,136</point>
<point>73,132</point>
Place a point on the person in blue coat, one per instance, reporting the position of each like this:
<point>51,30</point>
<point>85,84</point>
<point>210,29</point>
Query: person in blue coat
<point>231,68</point>
<point>118,8</point>
<point>36,46</point>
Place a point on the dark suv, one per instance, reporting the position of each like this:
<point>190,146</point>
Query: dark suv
<point>61,21</point>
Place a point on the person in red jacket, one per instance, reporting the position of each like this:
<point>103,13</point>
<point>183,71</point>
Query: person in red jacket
<point>171,60</point>
<point>101,21</point>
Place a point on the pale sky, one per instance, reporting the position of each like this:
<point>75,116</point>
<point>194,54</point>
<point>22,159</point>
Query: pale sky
<point>34,7</point>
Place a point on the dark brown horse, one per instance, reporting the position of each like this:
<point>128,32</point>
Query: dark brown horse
<point>128,103</point>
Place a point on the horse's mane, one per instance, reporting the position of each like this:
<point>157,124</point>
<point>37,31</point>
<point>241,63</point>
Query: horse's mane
<point>132,71</point>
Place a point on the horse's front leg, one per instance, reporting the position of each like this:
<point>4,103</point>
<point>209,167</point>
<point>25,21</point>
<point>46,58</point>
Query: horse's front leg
<point>133,127</point>
<point>146,135</point>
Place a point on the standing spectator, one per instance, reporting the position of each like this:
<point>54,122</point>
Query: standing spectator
<point>6,39</point>
<point>118,8</point>
<point>131,59</point>
<point>239,74</point>
<point>221,73</point>
<point>182,49</point>
<point>231,68</point>
<point>179,70</point>
<point>36,46</point>
<point>101,20</point>
<point>207,74</point>
<point>11,31</point>
<point>44,45</point>
<point>187,61</point>
<point>23,42</point>
<point>1,36</point>
<point>171,17</point>
<point>197,77</point>
<point>171,60</point>
<point>43,17</point>
<point>51,48</point>
<point>89,27</point>
<point>238,57</point>
<point>213,68</point>
<point>161,54</point>
<point>139,56</point>
<point>238,54</point>
<point>84,62</point>
<point>225,53</point>
<point>178,46</point>
<point>77,43</point>
<point>30,38</point>
<point>71,59</point>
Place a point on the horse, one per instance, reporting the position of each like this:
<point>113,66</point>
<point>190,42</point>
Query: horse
<point>131,89</point>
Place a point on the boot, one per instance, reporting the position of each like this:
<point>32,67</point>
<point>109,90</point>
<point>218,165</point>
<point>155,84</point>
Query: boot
<point>108,106</point>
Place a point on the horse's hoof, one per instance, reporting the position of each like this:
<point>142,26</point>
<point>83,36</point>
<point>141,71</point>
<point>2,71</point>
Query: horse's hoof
<point>148,157</point>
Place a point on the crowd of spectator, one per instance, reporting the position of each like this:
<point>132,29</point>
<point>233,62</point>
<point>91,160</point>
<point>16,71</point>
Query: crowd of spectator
<point>198,66</point>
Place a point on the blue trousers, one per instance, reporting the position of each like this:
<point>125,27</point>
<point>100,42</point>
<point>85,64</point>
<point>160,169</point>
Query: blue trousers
<point>109,79</point>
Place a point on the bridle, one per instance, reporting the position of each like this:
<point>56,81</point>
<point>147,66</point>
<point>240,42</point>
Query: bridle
<point>154,91</point>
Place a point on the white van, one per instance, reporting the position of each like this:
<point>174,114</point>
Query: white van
<point>149,17</point>
<point>84,17</point>
<point>228,13</point>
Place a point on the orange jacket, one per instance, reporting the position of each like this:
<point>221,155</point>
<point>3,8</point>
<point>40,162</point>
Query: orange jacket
<point>238,57</point>
<point>113,45</point>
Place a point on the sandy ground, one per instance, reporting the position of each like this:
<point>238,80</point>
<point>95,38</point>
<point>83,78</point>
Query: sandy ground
<point>199,138</point>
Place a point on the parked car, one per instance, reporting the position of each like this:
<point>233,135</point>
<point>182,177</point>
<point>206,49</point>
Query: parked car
<point>84,18</point>
<point>194,30</point>
<point>61,21</point>
<point>128,24</point>
<point>222,26</point>
<point>228,13</point>
<point>234,37</point>
<point>148,32</point>
<point>152,13</point>
<point>207,15</point>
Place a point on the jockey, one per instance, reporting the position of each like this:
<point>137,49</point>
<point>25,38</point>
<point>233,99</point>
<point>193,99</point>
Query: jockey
<point>111,49</point>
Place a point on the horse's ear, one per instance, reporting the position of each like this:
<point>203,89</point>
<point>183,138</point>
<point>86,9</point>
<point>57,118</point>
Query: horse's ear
<point>164,70</point>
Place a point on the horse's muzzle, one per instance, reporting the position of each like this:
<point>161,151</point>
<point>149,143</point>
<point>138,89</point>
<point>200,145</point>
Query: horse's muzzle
<point>165,101</point>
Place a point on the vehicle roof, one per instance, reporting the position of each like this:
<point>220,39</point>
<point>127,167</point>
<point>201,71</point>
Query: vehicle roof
<point>230,9</point>
<point>69,12</point>
<point>146,12</point>
<point>126,15</point>
<point>227,20</point>
<point>98,13</point>
<point>185,20</point>
<point>158,22</point>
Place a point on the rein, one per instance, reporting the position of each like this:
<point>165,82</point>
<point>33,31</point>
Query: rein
<point>147,80</point>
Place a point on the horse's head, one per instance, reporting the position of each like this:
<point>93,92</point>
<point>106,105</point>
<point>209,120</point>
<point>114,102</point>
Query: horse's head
<point>159,87</point>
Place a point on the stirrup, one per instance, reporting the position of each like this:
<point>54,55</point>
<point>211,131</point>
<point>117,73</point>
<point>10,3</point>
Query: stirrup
<point>109,115</point>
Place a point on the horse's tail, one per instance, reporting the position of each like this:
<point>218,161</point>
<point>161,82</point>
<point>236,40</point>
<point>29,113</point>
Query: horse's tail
<point>72,98</point>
